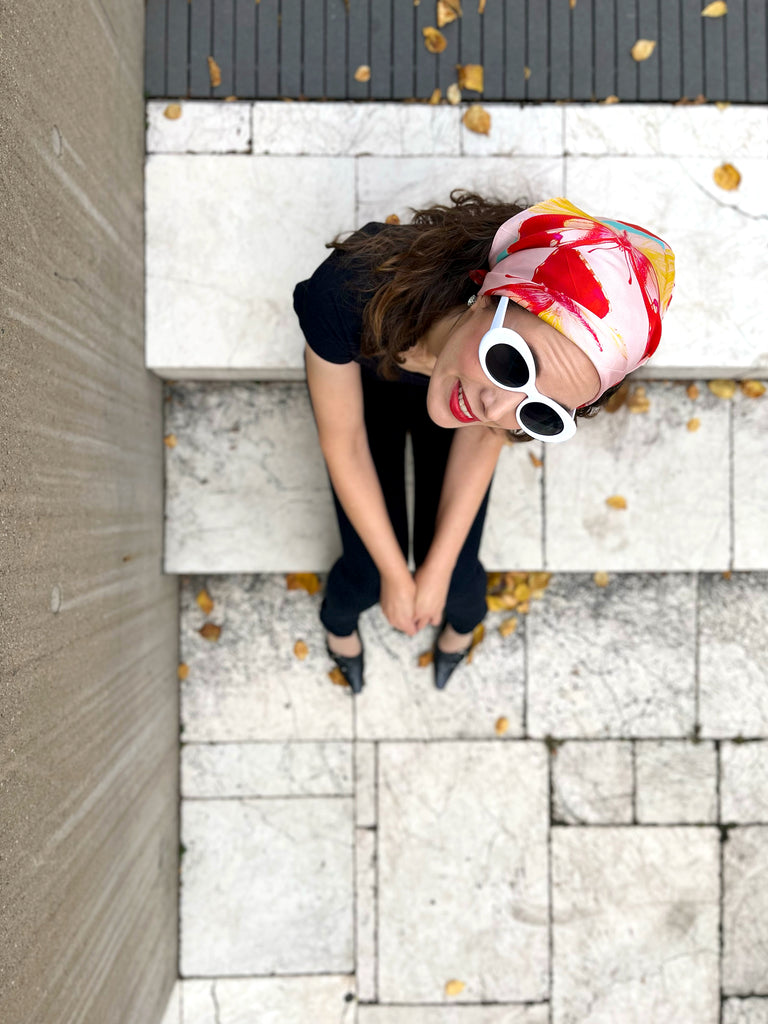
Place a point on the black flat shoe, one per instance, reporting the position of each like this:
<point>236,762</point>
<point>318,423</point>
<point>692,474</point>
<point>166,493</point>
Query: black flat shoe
<point>445,663</point>
<point>350,668</point>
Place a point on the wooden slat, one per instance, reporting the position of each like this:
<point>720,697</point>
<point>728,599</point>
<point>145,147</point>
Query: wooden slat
<point>757,72</point>
<point>492,30</point>
<point>200,27</point>
<point>582,65</point>
<point>155,43</point>
<point>403,48</point>
<point>735,51</point>
<point>559,49</point>
<point>648,71</point>
<point>223,47</point>
<point>266,49</point>
<point>691,44</point>
<point>313,30</point>
<point>714,58</point>
<point>381,50</point>
<point>426,64</point>
<point>537,52</point>
<point>245,48</point>
<point>671,82</point>
<point>289,69</point>
<point>605,49</point>
<point>336,49</point>
<point>449,58</point>
<point>177,48</point>
<point>626,37</point>
<point>358,49</point>
<point>515,48</point>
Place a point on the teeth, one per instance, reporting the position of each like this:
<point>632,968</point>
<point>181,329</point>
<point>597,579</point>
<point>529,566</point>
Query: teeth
<point>462,403</point>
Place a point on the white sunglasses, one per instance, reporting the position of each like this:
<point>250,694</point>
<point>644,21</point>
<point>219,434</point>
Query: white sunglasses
<point>507,362</point>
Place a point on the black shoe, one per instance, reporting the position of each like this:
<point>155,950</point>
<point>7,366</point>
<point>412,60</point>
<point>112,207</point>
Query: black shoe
<point>445,663</point>
<point>351,668</point>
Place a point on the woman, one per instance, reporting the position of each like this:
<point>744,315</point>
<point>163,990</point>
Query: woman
<point>400,339</point>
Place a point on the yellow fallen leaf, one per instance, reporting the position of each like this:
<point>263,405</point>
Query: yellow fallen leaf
<point>210,631</point>
<point>694,424</point>
<point>536,462</point>
<point>447,11</point>
<point>617,399</point>
<point>426,658</point>
<point>611,99</point>
<point>493,579</point>
<point>204,601</point>
<point>477,634</point>
<point>539,580</point>
<point>496,603</point>
<point>715,10</point>
<point>511,579</point>
<point>522,592</point>
<point>524,607</point>
<point>722,104</point>
<point>638,401</point>
<point>183,670</point>
<point>727,574</point>
<point>302,581</point>
<point>692,391</point>
<point>453,94</point>
<point>727,177</point>
<point>481,7</point>
<point>526,72</point>
<point>363,73</point>
<point>601,579</point>
<point>643,49</point>
<point>337,677</point>
<point>722,388</point>
<point>173,111</point>
<point>616,501</point>
<point>453,987</point>
<point>572,3</point>
<point>508,626</point>
<point>170,440</point>
<point>435,97</point>
<point>470,76</point>
<point>477,119</point>
<point>434,40</point>
<point>752,388</point>
<point>392,218</point>
<point>300,649</point>
<point>502,725</point>
<point>230,99</point>
<point>214,71</point>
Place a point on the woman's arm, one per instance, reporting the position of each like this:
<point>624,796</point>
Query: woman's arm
<point>471,462</point>
<point>337,400</point>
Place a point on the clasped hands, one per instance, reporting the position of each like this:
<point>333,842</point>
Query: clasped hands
<point>412,601</point>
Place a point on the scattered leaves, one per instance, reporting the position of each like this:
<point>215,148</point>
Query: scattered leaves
<point>204,601</point>
<point>392,218</point>
<point>601,579</point>
<point>214,72</point>
<point>470,76</point>
<point>453,94</point>
<point>363,73</point>
<point>337,677</point>
<point>170,440</point>
<point>611,99</point>
<point>435,97</point>
<point>715,10</point>
<point>502,725</point>
<point>426,659</point>
<point>694,424</point>
<point>638,401</point>
<point>183,670</point>
<point>722,388</point>
<point>538,463</point>
<point>616,501</point>
<point>447,11</point>
<point>434,40</point>
<point>643,49</point>
<point>508,626</point>
<point>210,631</point>
<point>727,177</point>
<point>618,399</point>
<point>173,111</point>
<point>477,637</point>
<point>752,388</point>
<point>477,119</point>
<point>454,987</point>
<point>302,581</point>
<point>692,391</point>
<point>300,649</point>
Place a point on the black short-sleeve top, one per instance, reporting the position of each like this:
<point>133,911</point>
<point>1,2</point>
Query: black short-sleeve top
<point>330,306</point>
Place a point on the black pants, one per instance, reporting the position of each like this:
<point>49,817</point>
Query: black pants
<point>392,409</point>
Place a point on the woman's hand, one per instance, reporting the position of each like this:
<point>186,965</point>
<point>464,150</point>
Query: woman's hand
<point>397,596</point>
<point>431,593</point>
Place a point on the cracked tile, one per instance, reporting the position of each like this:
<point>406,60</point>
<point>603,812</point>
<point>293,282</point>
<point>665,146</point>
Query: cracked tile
<point>203,127</point>
<point>745,910</point>
<point>676,782</point>
<point>322,999</point>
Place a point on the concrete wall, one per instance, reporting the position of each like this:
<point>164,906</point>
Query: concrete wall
<point>89,627</point>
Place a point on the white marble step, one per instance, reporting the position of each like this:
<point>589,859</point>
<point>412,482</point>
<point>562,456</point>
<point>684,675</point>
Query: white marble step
<point>247,490</point>
<point>242,196</point>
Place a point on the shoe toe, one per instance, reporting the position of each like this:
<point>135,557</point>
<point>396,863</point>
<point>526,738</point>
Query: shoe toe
<point>350,668</point>
<point>445,664</point>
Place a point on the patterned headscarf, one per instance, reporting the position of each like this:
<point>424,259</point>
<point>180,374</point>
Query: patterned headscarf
<point>604,284</point>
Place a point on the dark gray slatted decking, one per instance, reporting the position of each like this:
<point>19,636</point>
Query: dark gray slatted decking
<point>309,49</point>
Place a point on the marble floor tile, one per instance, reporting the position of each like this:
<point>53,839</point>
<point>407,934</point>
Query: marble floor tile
<point>202,127</point>
<point>366,954</point>
<point>745,910</point>
<point>246,485</point>
<point>733,655</point>
<point>532,1013</point>
<point>353,129</point>
<point>750,481</point>
<point>267,886</point>
<point>513,534</point>
<point>676,782</point>
<point>321,999</point>
<point>744,783</point>
<point>222,258</point>
<point>675,482</point>
<point>745,1011</point>
<point>172,1013</point>
<point>592,783</point>
<point>635,925</point>
<point>249,685</point>
<point>462,872</point>
<point>715,322</point>
<point>387,185</point>
<point>615,661</point>
<point>517,129</point>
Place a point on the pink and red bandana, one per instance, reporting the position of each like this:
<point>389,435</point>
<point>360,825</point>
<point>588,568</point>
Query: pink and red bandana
<point>604,284</point>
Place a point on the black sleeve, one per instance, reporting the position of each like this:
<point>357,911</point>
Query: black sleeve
<point>329,305</point>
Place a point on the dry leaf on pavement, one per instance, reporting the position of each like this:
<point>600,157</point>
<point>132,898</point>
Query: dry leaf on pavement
<point>616,501</point>
<point>453,94</point>
<point>435,97</point>
<point>694,424</point>
<point>392,218</point>
<point>477,120</point>
<point>722,388</point>
<point>210,631</point>
<point>502,725</point>
<point>601,579</point>
<point>470,76</point>
<point>692,391</point>
<point>172,111</point>
<point>715,10</point>
<point>363,73</point>
<point>752,388</point>
<point>727,177</point>
<point>337,677</point>
<point>426,659</point>
<point>638,401</point>
<point>170,440</point>
<point>302,581</point>
<point>434,40</point>
<point>300,649</point>
<point>508,626</point>
<point>447,11</point>
<point>204,601</point>
<point>643,49</point>
<point>214,72</point>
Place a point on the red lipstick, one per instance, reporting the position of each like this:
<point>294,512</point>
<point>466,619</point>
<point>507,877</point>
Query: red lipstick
<point>455,407</point>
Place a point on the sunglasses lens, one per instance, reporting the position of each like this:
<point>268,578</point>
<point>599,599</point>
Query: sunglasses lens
<point>541,418</point>
<point>507,366</point>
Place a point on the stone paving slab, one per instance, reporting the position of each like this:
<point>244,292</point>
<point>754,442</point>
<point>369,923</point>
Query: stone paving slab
<point>228,187</point>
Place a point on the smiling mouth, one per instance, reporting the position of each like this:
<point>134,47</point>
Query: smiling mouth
<point>459,405</point>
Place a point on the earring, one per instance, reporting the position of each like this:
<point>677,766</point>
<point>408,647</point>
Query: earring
<point>471,299</point>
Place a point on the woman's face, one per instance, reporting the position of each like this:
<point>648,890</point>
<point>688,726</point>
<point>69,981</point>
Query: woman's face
<point>566,374</point>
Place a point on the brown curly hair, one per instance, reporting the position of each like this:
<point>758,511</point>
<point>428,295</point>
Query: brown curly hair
<point>424,269</point>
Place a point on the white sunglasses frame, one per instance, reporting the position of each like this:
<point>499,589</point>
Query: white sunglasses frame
<point>497,334</point>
